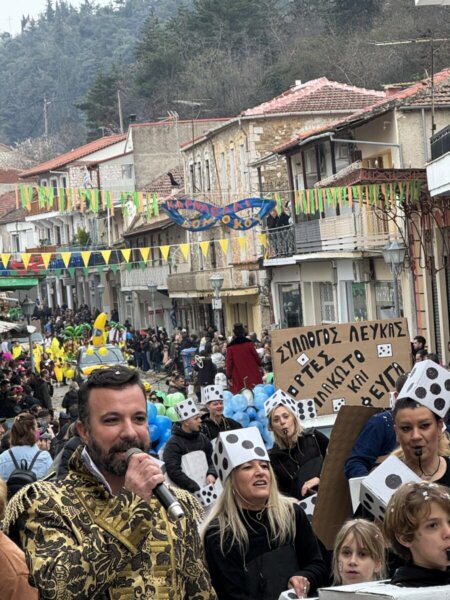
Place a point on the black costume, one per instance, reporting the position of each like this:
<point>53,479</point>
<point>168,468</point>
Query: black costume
<point>445,479</point>
<point>263,573</point>
<point>212,429</point>
<point>179,444</point>
<point>294,466</point>
<point>414,576</point>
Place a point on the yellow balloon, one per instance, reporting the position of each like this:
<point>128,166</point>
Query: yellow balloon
<point>103,351</point>
<point>90,351</point>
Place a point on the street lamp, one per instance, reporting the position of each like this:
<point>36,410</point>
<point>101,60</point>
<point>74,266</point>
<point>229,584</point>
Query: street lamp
<point>153,288</point>
<point>28,307</point>
<point>100,290</point>
<point>216,281</point>
<point>394,255</point>
<point>129,303</point>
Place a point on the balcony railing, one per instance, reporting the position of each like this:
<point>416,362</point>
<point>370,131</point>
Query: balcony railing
<point>137,279</point>
<point>440,143</point>
<point>344,233</point>
<point>198,281</point>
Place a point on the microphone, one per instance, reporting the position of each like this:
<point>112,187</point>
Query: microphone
<point>418,451</point>
<point>165,498</point>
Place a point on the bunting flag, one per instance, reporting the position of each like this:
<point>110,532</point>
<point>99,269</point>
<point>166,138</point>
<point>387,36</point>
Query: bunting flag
<point>165,252</point>
<point>66,256</point>
<point>85,257</point>
<point>242,242</point>
<point>26,257</point>
<point>262,237</point>
<point>106,255</point>
<point>204,246</point>
<point>185,250</point>
<point>224,245</point>
<point>144,253</point>
<point>5,259</point>
<point>46,256</point>
<point>126,253</point>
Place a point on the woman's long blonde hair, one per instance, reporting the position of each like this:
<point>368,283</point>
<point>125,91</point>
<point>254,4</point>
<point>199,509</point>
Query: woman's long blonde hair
<point>280,512</point>
<point>279,440</point>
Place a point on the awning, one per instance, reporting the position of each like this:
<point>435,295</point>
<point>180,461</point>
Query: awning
<point>18,283</point>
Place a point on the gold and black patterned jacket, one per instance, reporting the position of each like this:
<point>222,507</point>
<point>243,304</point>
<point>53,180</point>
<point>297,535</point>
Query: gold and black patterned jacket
<point>82,543</point>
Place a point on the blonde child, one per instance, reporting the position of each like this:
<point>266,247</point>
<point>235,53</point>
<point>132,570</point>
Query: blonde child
<point>359,553</point>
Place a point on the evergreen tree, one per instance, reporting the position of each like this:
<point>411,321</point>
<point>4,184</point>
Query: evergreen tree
<point>100,105</point>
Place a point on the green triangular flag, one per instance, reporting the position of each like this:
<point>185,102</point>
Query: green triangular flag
<point>85,271</point>
<point>114,268</point>
<point>99,268</point>
<point>71,271</point>
<point>128,267</point>
<point>58,272</point>
<point>142,264</point>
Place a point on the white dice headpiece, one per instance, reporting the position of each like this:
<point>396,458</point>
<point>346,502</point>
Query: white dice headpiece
<point>280,398</point>
<point>212,392</point>
<point>234,448</point>
<point>186,409</point>
<point>429,385</point>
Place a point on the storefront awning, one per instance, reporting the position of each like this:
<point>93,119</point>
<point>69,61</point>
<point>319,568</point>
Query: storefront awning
<point>18,283</point>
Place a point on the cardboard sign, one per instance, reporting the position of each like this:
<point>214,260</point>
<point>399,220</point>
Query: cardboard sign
<point>348,363</point>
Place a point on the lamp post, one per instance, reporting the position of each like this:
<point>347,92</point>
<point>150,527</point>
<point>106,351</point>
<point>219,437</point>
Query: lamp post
<point>129,303</point>
<point>394,255</point>
<point>153,288</point>
<point>100,290</point>
<point>216,281</point>
<point>28,307</point>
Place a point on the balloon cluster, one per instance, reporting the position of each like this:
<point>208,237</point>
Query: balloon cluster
<point>161,415</point>
<point>247,408</point>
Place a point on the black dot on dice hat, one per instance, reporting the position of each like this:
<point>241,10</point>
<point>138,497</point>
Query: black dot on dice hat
<point>432,373</point>
<point>393,481</point>
<point>292,595</point>
<point>214,496</point>
<point>382,509</point>
<point>260,451</point>
<point>231,439</point>
<point>303,505</point>
<point>435,388</point>
<point>310,402</point>
<point>313,499</point>
<point>247,444</point>
<point>421,392</point>
<point>447,385</point>
<point>439,403</point>
<point>203,492</point>
<point>220,447</point>
<point>368,498</point>
<point>225,464</point>
<point>411,385</point>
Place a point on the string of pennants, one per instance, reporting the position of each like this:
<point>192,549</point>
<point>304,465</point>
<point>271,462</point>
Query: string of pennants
<point>314,200</point>
<point>39,263</point>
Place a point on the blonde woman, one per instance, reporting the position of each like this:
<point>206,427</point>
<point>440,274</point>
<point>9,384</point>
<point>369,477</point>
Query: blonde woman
<point>258,543</point>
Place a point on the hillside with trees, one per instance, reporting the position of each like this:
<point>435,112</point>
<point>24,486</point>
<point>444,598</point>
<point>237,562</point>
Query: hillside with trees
<point>200,58</point>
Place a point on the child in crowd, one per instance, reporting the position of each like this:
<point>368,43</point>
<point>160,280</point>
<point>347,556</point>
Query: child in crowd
<point>417,526</point>
<point>359,553</point>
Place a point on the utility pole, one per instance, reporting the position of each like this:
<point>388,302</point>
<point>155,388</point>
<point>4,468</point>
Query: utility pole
<point>45,118</point>
<point>119,106</point>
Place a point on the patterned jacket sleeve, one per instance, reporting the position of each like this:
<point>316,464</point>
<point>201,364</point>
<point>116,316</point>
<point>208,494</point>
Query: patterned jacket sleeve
<point>75,554</point>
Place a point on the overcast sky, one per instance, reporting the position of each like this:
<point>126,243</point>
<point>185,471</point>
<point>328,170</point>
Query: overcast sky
<point>11,11</point>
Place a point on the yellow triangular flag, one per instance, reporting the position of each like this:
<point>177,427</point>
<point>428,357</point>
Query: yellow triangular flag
<point>46,256</point>
<point>26,256</point>
<point>165,251</point>
<point>5,259</point>
<point>144,253</point>
<point>204,248</point>
<point>66,258</point>
<point>242,242</point>
<point>105,255</point>
<point>126,253</point>
<point>224,245</point>
<point>262,237</point>
<point>86,256</point>
<point>185,250</point>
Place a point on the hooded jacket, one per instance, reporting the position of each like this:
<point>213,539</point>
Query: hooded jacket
<point>412,576</point>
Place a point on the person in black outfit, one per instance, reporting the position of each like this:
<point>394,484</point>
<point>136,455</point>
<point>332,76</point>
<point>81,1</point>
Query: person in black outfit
<point>417,525</point>
<point>297,454</point>
<point>204,372</point>
<point>214,422</point>
<point>9,407</point>
<point>186,437</point>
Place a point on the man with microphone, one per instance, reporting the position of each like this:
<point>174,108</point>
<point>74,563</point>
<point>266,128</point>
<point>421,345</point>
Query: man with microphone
<point>109,529</point>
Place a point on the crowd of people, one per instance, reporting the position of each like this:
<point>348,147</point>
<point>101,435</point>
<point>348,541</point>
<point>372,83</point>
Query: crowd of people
<point>84,519</point>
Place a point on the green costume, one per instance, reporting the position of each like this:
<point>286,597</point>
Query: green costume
<point>81,542</point>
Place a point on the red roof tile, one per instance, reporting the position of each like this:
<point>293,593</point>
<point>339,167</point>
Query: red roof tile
<point>162,186</point>
<point>73,155</point>
<point>318,95</point>
<point>416,94</point>
<point>9,175</point>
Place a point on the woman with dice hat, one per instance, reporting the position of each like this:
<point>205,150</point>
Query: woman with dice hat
<point>258,543</point>
<point>297,454</point>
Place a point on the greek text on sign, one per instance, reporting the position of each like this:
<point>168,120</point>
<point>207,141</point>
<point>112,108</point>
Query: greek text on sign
<point>347,363</point>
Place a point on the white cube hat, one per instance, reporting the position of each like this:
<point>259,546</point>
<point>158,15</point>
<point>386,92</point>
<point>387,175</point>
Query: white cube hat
<point>234,448</point>
<point>280,398</point>
<point>429,385</point>
<point>212,392</point>
<point>186,409</point>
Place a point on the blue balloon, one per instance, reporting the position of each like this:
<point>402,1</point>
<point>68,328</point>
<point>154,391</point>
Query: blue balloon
<point>152,413</point>
<point>227,395</point>
<point>259,426</point>
<point>228,410</point>
<point>269,388</point>
<point>164,424</point>
<point>166,435</point>
<point>259,400</point>
<point>259,389</point>
<point>251,412</point>
<point>242,418</point>
<point>239,402</point>
<point>154,432</point>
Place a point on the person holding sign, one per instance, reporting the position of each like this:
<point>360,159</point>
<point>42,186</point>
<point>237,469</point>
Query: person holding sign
<point>297,454</point>
<point>258,543</point>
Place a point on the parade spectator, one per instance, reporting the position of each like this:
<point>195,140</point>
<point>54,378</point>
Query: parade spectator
<point>187,438</point>
<point>297,454</point>
<point>71,396</point>
<point>359,553</point>
<point>420,355</point>
<point>214,422</point>
<point>418,343</point>
<point>9,406</point>
<point>257,542</point>
<point>14,580</point>
<point>417,526</point>
<point>41,390</point>
<point>114,533</point>
<point>242,362</point>
<point>204,372</point>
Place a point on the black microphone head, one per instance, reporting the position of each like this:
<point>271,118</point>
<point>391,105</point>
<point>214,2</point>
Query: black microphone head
<point>448,553</point>
<point>418,451</point>
<point>129,453</point>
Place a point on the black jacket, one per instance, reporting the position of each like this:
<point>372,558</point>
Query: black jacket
<point>412,576</point>
<point>211,429</point>
<point>290,464</point>
<point>179,444</point>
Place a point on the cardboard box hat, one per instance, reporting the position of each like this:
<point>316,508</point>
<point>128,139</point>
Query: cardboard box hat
<point>186,410</point>
<point>234,448</point>
<point>211,393</point>
<point>429,384</point>
<point>280,398</point>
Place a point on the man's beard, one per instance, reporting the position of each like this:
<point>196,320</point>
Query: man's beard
<point>108,461</point>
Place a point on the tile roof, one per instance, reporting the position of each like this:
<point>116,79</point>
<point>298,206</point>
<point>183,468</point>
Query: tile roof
<point>9,175</point>
<point>413,95</point>
<point>73,155</point>
<point>318,95</point>
<point>8,211</point>
<point>162,186</point>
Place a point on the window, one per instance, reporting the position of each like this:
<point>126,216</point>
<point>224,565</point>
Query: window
<point>198,179</point>
<point>327,305</point>
<point>54,185</point>
<point>384,299</point>
<point>44,183</point>
<point>15,242</point>
<point>356,301</point>
<point>64,182</point>
<point>127,171</point>
<point>223,172</point>
<point>207,176</point>
<point>290,305</point>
